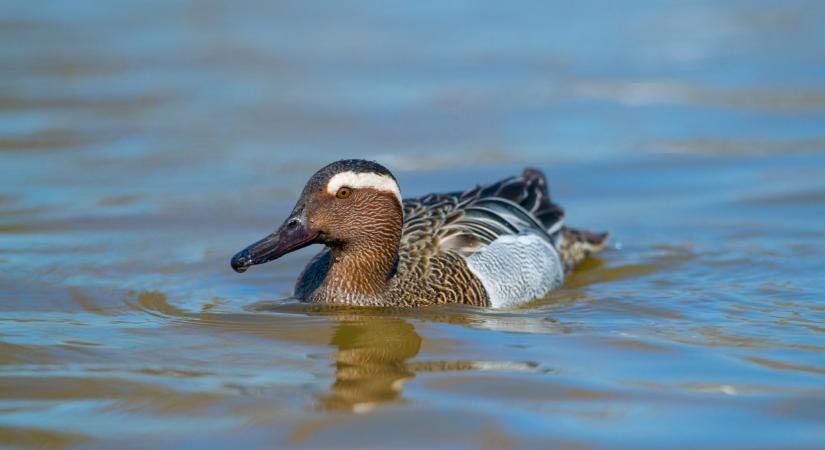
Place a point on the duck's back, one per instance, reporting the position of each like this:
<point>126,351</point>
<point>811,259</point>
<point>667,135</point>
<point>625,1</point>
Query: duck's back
<point>497,245</point>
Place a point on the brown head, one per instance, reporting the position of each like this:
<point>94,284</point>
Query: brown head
<point>352,206</point>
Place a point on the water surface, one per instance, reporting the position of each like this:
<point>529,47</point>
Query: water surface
<point>143,143</point>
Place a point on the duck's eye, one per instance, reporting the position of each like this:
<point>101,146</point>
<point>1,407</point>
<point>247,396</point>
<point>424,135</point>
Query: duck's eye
<point>344,193</point>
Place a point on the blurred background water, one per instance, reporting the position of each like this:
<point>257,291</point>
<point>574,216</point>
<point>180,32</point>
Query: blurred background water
<point>143,143</point>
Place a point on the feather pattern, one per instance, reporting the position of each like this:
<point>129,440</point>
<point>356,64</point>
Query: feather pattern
<point>459,225</point>
<point>468,221</point>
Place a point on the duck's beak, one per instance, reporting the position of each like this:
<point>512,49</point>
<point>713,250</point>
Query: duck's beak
<point>293,235</point>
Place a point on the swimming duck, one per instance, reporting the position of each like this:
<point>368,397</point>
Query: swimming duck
<point>494,246</point>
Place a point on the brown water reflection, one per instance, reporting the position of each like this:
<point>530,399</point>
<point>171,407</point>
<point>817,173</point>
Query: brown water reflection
<point>371,362</point>
<point>36,438</point>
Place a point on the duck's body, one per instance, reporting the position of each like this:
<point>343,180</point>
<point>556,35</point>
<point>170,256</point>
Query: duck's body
<point>498,245</point>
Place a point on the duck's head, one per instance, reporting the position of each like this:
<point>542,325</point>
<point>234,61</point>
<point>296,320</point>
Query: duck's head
<point>347,204</point>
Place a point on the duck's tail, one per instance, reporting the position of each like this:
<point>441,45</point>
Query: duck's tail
<point>575,245</point>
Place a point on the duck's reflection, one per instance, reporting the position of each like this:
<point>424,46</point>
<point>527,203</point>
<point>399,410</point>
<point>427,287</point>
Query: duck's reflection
<point>374,350</point>
<point>371,362</point>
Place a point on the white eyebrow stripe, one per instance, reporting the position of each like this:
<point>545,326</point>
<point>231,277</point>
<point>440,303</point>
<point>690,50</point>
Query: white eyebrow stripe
<point>354,180</point>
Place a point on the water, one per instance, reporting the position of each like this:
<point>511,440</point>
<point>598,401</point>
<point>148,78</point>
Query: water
<point>143,143</point>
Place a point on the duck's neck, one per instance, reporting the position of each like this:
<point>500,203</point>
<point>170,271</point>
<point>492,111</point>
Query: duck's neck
<point>360,273</point>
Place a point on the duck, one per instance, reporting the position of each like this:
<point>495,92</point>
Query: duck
<point>497,246</point>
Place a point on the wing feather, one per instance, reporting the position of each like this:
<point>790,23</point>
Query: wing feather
<point>469,221</point>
